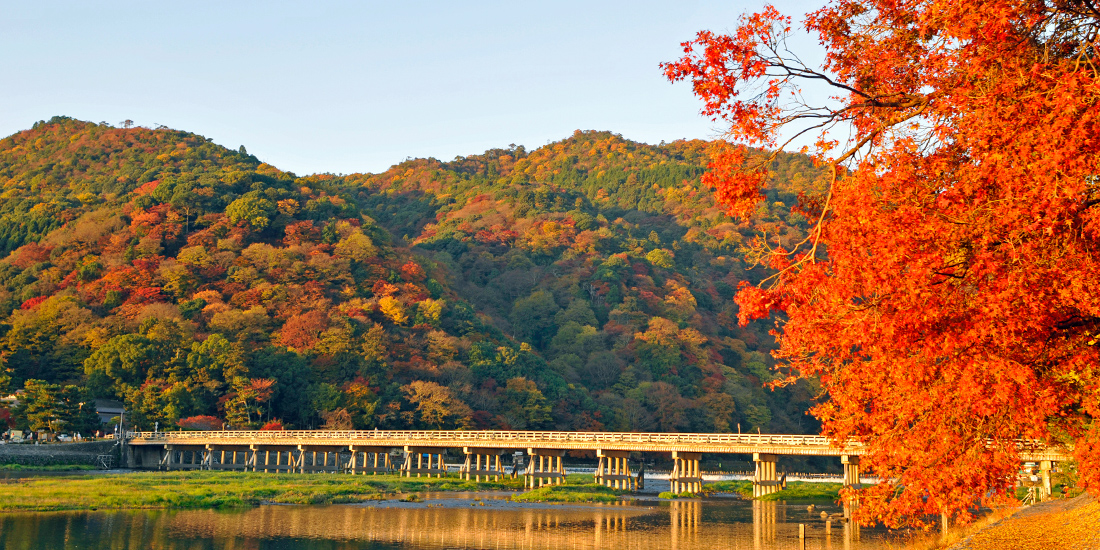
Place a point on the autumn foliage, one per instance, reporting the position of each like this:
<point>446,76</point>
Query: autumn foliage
<point>201,423</point>
<point>583,285</point>
<point>273,425</point>
<point>956,312</point>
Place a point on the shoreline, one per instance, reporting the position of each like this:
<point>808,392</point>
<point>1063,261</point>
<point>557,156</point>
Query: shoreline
<point>28,491</point>
<point>1056,523</point>
<point>58,489</point>
<point>52,490</point>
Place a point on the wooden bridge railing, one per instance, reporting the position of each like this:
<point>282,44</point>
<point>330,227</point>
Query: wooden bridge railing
<point>504,438</point>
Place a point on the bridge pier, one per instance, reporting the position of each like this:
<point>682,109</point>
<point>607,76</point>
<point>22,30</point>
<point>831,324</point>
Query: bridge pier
<point>434,454</point>
<point>474,467</point>
<point>1045,467</point>
<point>146,457</point>
<point>614,470</point>
<point>851,470</point>
<point>686,477</point>
<point>329,460</point>
<point>851,479</point>
<point>220,451</point>
<point>766,480</point>
<point>368,452</point>
<point>549,468</point>
<point>280,458</point>
<point>185,457</point>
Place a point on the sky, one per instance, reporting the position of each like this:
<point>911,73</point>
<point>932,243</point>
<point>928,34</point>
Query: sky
<point>343,87</point>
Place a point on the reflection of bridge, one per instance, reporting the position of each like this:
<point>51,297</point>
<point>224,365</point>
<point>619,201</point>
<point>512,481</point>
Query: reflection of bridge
<point>677,525</point>
<point>371,452</point>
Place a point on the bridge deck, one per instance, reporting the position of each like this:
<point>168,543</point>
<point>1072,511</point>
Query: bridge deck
<point>815,445</point>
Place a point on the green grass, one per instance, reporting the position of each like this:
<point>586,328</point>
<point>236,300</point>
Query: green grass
<point>50,468</point>
<point>571,493</point>
<point>802,490</point>
<point>670,494</point>
<point>796,490</point>
<point>579,479</point>
<point>743,488</point>
<point>205,489</point>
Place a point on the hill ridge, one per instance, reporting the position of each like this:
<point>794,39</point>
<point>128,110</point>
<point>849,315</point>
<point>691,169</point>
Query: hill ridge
<point>585,284</point>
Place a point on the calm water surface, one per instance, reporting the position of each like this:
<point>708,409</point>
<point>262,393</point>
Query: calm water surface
<point>443,522</point>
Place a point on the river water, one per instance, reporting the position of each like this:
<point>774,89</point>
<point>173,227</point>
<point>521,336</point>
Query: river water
<point>444,522</point>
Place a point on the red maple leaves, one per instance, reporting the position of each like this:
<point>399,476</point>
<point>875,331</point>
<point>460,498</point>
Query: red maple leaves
<point>957,310</point>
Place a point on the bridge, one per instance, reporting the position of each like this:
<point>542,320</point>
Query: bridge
<point>421,453</point>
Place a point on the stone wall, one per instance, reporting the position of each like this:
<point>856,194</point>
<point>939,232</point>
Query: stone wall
<point>56,453</point>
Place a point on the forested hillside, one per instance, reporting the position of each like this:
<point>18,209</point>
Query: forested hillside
<point>583,285</point>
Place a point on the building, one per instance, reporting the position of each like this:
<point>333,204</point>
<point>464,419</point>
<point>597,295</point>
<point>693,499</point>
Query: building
<point>108,409</point>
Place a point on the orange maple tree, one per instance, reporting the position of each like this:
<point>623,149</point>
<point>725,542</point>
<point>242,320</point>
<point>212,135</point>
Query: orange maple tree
<point>948,295</point>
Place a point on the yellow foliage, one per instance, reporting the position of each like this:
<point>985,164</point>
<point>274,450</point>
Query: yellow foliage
<point>393,309</point>
<point>430,310</point>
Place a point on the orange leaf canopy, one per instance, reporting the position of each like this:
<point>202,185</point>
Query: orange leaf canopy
<point>957,310</point>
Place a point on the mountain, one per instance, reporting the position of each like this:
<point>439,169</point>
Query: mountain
<point>585,285</point>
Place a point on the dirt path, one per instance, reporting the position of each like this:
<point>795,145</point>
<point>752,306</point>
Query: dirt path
<point>1063,523</point>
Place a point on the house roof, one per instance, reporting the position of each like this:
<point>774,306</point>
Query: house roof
<point>108,406</point>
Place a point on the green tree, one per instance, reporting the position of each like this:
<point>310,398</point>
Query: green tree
<point>660,257</point>
<point>43,343</point>
<point>79,411</point>
<point>292,399</point>
<point>720,408</point>
<point>214,361</point>
<point>523,406</point>
<point>5,377</point>
<point>533,318</point>
<point>41,406</point>
<point>252,209</point>
<point>122,363</point>
<point>577,311</point>
<point>437,405</point>
<point>356,246</point>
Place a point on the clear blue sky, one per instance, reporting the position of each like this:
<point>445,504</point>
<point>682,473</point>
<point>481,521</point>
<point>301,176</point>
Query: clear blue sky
<point>357,86</point>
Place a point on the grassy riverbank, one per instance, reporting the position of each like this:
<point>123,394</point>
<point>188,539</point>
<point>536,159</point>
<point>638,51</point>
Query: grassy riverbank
<point>215,490</point>
<point>47,468</point>
<point>571,493</point>
<point>796,490</point>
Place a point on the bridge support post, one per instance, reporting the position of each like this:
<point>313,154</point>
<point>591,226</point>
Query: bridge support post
<point>851,479</point>
<point>380,454</point>
<point>474,468</point>
<point>614,470</point>
<point>323,463</point>
<point>549,467</point>
<point>278,458</point>
<point>166,462</point>
<point>191,457</point>
<point>1045,467</point>
<point>851,470</point>
<point>227,457</point>
<point>434,454</point>
<point>686,477</point>
<point>766,480</point>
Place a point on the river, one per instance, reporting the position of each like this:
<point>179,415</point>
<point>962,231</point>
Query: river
<point>442,522</point>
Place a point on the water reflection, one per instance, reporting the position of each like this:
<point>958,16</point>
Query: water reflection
<point>447,524</point>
